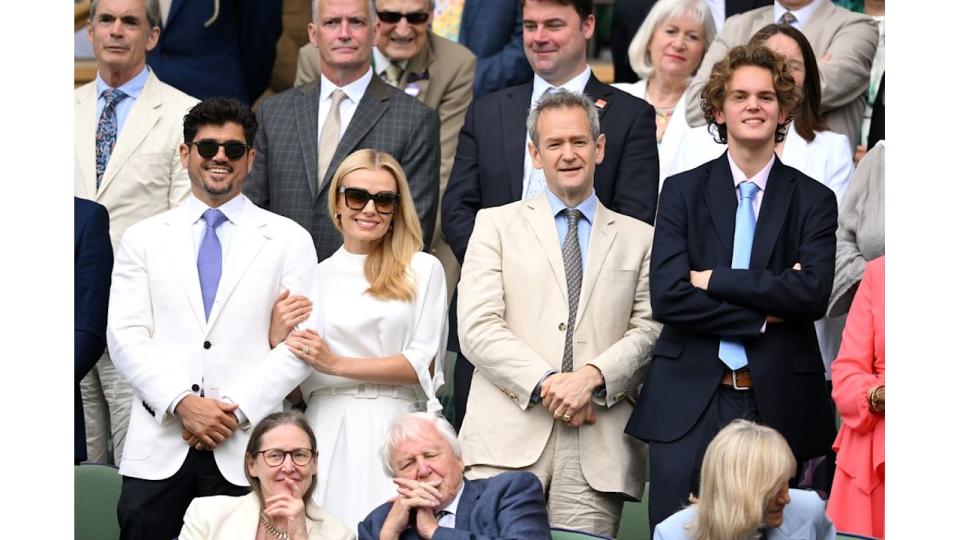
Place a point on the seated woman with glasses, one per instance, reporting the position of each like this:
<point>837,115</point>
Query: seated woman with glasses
<point>744,493</point>
<point>373,343</point>
<point>281,466</point>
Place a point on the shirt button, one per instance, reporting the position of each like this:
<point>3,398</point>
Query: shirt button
<point>562,327</point>
<point>195,388</point>
<point>206,345</point>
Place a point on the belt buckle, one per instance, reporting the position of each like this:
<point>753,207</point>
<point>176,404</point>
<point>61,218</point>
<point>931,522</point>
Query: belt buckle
<point>367,391</point>
<point>735,386</point>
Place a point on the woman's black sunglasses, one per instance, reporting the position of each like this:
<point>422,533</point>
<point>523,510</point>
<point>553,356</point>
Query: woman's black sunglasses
<point>357,198</point>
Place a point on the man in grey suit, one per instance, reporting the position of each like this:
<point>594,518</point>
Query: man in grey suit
<point>308,130</point>
<point>845,43</point>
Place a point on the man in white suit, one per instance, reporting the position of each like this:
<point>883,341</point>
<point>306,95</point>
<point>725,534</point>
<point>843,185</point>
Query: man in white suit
<point>188,320</point>
<point>554,310</point>
<point>138,176</point>
<point>845,43</point>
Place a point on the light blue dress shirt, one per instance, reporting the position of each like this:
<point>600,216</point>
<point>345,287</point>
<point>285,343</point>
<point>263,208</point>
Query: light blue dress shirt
<point>131,88</point>
<point>589,210</point>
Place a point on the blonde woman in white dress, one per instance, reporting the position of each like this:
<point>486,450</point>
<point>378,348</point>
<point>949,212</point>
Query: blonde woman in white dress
<point>371,347</point>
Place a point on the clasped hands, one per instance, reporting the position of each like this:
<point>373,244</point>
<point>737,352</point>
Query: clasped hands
<point>206,422</point>
<point>419,497</point>
<point>307,345</point>
<point>568,395</point>
<point>701,280</point>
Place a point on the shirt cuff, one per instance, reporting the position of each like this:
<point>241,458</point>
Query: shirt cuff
<point>535,397</point>
<point>173,406</point>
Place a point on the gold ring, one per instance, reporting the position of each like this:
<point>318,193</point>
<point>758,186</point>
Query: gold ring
<point>306,349</point>
<point>567,418</point>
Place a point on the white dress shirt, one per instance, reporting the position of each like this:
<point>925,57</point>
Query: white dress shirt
<point>348,105</point>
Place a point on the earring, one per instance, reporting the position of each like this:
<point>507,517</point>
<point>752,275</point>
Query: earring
<point>337,215</point>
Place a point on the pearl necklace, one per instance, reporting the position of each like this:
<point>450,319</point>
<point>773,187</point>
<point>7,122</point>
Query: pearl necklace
<point>274,531</point>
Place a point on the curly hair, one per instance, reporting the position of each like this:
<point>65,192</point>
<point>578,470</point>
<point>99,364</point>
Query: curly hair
<point>714,93</point>
<point>217,111</point>
<point>807,117</point>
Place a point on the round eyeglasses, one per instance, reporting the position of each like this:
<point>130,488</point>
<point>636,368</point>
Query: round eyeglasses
<point>274,456</point>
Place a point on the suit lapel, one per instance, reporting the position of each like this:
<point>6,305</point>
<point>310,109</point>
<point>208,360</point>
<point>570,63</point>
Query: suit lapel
<point>143,116</point>
<point>538,216</point>
<point>307,109</point>
<point>815,26</point>
<point>86,134</point>
<point>249,238</point>
<point>175,6</point>
<point>598,92</point>
<point>602,235</point>
<point>373,104</point>
<point>419,64</point>
<point>468,500</point>
<point>513,111</point>
<point>721,201</point>
<point>178,243</point>
<point>773,212</point>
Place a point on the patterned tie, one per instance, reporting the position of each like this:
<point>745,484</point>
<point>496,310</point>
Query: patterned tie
<point>329,136</point>
<point>733,353</point>
<point>107,130</point>
<point>393,74</point>
<point>788,18</point>
<point>573,267</point>
<point>538,181</point>
<point>447,15</point>
<point>210,259</point>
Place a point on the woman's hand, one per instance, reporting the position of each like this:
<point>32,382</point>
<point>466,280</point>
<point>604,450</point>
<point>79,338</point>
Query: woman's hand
<point>287,512</point>
<point>307,345</point>
<point>288,312</point>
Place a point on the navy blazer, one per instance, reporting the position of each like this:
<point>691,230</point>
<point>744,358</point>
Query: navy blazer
<point>488,169</point>
<point>92,264</point>
<point>492,30</point>
<point>232,57</point>
<point>507,506</point>
<point>694,231</point>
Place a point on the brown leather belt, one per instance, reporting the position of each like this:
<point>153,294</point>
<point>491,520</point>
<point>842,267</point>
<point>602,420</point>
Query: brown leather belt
<point>738,380</point>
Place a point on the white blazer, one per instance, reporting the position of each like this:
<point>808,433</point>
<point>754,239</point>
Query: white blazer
<point>237,518</point>
<point>144,176</point>
<point>161,344</point>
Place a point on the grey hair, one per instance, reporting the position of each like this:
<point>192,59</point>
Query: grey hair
<point>370,5</point>
<point>411,426</point>
<point>152,8</point>
<point>663,10</point>
<point>563,99</point>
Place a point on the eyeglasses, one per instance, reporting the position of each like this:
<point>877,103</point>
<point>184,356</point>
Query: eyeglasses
<point>274,456</point>
<point>393,17</point>
<point>208,148</point>
<point>357,198</point>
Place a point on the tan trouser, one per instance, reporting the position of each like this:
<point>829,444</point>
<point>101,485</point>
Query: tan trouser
<point>571,502</point>
<point>106,410</point>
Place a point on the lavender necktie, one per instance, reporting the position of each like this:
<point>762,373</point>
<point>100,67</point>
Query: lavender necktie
<point>210,259</point>
<point>107,130</point>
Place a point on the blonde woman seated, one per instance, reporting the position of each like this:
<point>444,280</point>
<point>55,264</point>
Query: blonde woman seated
<point>744,493</point>
<point>369,349</point>
<point>281,466</point>
<point>665,53</point>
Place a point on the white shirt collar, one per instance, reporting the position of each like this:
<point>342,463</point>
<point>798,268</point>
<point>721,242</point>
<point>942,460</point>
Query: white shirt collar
<point>233,208</point>
<point>354,90</point>
<point>760,179</point>
<point>803,14</point>
<point>452,507</point>
<point>576,84</point>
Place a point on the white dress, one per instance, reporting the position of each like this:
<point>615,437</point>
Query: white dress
<point>351,428</point>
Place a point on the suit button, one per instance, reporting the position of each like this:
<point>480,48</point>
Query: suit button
<point>562,327</point>
<point>195,388</point>
<point>513,396</point>
<point>206,345</point>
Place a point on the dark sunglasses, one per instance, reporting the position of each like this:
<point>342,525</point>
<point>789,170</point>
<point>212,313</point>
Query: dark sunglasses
<point>393,17</point>
<point>208,148</point>
<point>357,198</point>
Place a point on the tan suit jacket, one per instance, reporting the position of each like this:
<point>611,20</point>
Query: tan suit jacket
<point>512,314</point>
<point>448,89</point>
<point>849,38</point>
<point>144,176</point>
<point>237,518</point>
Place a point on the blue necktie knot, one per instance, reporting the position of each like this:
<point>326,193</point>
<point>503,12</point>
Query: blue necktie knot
<point>748,190</point>
<point>112,97</point>
<point>214,218</point>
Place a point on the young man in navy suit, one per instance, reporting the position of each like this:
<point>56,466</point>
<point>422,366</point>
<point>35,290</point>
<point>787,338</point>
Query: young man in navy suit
<point>737,286</point>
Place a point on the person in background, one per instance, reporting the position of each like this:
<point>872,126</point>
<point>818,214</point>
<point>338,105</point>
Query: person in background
<point>744,493</point>
<point>859,389</point>
<point>665,54</point>
<point>281,466</point>
<point>492,30</point>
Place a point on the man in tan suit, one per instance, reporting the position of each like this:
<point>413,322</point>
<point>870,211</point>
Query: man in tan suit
<point>137,176</point>
<point>554,310</point>
<point>436,71</point>
<point>844,42</point>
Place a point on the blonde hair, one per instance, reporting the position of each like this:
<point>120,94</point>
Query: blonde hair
<point>743,468</point>
<point>662,11</point>
<point>386,266</point>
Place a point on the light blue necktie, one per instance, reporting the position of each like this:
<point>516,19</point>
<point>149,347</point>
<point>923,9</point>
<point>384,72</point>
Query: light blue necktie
<point>107,129</point>
<point>733,353</point>
<point>210,259</point>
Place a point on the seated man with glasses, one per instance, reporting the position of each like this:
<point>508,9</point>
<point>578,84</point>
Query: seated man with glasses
<point>281,466</point>
<point>188,319</point>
